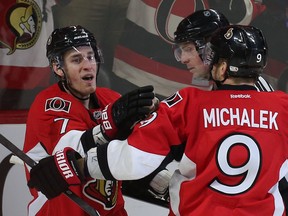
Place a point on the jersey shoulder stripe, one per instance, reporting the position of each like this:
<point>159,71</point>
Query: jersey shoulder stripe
<point>262,85</point>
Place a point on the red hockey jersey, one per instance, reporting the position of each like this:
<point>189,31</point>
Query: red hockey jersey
<point>234,151</point>
<point>56,119</point>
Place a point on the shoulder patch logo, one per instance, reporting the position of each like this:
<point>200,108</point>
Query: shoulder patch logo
<point>173,99</point>
<point>57,104</point>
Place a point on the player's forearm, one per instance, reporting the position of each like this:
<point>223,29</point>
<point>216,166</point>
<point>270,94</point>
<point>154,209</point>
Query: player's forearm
<point>121,161</point>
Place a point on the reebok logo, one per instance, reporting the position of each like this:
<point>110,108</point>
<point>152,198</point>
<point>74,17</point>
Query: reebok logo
<point>63,165</point>
<point>232,96</point>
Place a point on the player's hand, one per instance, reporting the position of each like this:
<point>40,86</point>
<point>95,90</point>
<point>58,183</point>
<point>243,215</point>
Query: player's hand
<point>119,118</point>
<point>54,174</point>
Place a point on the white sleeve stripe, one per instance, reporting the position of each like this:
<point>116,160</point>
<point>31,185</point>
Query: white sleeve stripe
<point>71,139</point>
<point>262,85</point>
<point>128,163</point>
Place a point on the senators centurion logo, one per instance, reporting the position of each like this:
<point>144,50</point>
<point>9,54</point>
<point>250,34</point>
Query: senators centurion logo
<point>20,23</point>
<point>104,192</point>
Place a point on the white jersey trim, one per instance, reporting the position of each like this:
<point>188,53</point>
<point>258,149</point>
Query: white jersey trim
<point>278,201</point>
<point>127,162</point>
<point>35,206</point>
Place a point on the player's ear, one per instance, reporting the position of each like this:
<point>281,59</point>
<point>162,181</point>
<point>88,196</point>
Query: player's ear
<point>223,68</point>
<point>58,70</point>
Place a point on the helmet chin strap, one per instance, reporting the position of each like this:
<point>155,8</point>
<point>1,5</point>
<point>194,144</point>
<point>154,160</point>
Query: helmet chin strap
<point>71,91</point>
<point>69,88</point>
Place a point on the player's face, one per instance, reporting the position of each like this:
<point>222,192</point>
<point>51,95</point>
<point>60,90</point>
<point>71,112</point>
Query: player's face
<point>80,70</point>
<point>189,56</point>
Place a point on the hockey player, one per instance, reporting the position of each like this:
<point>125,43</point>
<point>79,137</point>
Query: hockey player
<point>192,33</point>
<point>234,139</point>
<point>190,37</point>
<point>70,113</point>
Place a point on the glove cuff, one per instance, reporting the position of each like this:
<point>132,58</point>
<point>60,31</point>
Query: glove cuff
<point>99,136</point>
<point>108,127</point>
<point>66,162</point>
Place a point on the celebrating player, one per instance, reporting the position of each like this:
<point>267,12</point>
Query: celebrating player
<point>76,113</point>
<point>191,35</point>
<point>228,136</point>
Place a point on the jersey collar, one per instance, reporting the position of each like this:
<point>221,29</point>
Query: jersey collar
<point>236,87</point>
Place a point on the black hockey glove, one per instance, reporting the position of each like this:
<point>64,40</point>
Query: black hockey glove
<point>54,174</point>
<point>119,118</point>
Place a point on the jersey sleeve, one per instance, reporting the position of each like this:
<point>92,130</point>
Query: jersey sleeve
<point>164,128</point>
<point>148,145</point>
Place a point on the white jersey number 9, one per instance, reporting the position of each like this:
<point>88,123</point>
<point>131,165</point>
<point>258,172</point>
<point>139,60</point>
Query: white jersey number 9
<point>248,170</point>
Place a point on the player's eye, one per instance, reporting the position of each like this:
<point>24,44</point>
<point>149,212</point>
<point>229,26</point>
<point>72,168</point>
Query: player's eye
<point>91,58</point>
<point>188,49</point>
<point>77,60</point>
